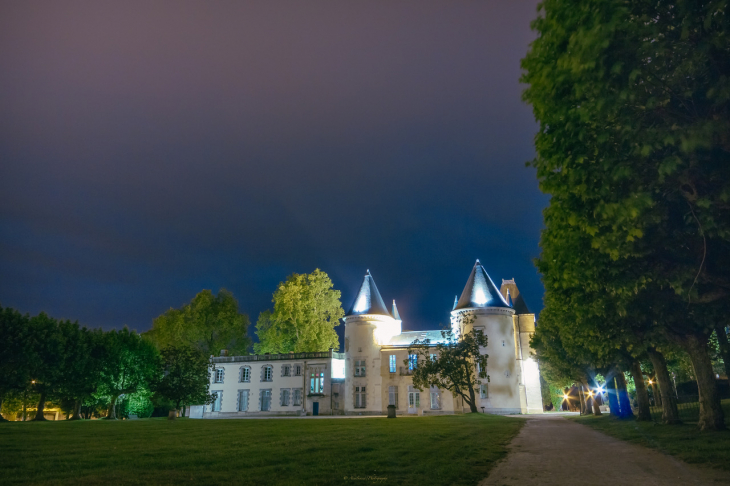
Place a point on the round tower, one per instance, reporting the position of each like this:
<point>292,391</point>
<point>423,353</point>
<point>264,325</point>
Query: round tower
<point>481,306</point>
<point>368,325</point>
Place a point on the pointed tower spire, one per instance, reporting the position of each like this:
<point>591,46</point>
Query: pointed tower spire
<point>480,291</point>
<point>368,299</point>
<point>396,316</point>
<point>456,301</point>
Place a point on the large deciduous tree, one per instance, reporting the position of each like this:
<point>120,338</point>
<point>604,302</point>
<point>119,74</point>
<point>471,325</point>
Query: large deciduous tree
<point>130,363</point>
<point>454,366</point>
<point>306,311</point>
<point>633,101</point>
<point>185,378</point>
<point>209,323</point>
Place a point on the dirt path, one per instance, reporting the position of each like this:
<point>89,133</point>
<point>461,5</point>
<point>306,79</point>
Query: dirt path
<point>551,450</point>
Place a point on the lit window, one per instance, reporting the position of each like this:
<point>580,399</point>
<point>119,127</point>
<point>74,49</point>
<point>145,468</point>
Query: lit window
<point>245,374</point>
<point>392,363</point>
<point>414,399</point>
<point>433,357</point>
<point>268,373</point>
<point>484,391</point>
<point>316,383</point>
<point>219,375</point>
<point>412,361</point>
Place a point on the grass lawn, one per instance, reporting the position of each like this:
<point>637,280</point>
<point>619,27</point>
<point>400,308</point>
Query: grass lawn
<point>711,449</point>
<point>457,449</point>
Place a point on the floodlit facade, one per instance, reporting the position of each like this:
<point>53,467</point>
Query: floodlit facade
<point>375,370</point>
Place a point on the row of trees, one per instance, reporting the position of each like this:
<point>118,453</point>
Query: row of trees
<point>633,101</point>
<point>44,359</point>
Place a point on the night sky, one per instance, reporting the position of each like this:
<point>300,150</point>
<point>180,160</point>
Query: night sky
<point>149,150</point>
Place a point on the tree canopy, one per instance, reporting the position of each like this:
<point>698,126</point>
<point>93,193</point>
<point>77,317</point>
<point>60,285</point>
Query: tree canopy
<point>209,323</point>
<point>306,311</point>
<point>452,365</point>
<point>633,102</point>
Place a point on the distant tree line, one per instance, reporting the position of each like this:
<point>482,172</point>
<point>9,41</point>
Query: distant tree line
<point>91,372</point>
<point>633,102</point>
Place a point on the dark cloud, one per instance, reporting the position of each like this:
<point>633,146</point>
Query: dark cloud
<point>152,149</point>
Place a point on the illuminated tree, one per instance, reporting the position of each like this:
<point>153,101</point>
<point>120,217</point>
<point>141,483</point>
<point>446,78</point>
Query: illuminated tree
<point>306,311</point>
<point>454,366</point>
<point>209,323</point>
<point>634,109</point>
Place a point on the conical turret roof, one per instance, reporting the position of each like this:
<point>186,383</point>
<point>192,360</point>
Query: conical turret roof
<point>396,316</point>
<point>368,299</point>
<point>480,291</point>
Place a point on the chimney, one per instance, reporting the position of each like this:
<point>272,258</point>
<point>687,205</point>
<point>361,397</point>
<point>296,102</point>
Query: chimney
<point>224,352</point>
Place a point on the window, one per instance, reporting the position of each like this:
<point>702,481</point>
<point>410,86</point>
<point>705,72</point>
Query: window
<point>412,361</point>
<point>484,391</point>
<point>360,368</point>
<point>219,375</point>
<point>265,400</point>
<point>392,363</point>
<point>285,397</point>
<point>298,370</point>
<point>393,394</point>
<point>479,368</point>
<point>360,399</point>
<point>268,374</point>
<point>242,400</point>
<point>216,407</point>
<point>316,383</point>
<point>297,397</point>
<point>433,357</point>
<point>286,370</point>
<point>414,399</point>
<point>435,400</point>
<point>245,374</point>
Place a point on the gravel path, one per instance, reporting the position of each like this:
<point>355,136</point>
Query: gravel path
<point>550,450</point>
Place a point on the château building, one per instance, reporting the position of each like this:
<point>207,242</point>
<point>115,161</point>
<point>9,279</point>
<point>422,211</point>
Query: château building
<point>372,372</point>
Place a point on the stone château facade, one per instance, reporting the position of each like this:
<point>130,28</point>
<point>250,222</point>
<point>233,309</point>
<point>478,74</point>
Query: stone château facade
<point>371,374</point>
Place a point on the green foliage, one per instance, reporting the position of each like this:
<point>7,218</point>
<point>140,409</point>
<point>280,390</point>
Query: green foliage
<point>209,323</point>
<point>186,377</point>
<point>130,364</point>
<point>306,311</point>
<point>14,352</point>
<point>455,365</point>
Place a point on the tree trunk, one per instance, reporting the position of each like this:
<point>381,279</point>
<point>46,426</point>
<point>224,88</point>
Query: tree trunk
<point>642,394</point>
<point>612,398</point>
<point>77,410</point>
<point>2,419</point>
<point>655,391</point>
<point>111,413</point>
<point>472,400</point>
<point>590,400</point>
<point>623,395</point>
<point>582,399</point>
<point>185,409</point>
<point>711,414</point>
<point>724,348</point>
<point>41,406</point>
<point>670,415</point>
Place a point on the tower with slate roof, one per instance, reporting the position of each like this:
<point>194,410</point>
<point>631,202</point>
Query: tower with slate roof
<point>482,306</point>
<point>368,325</point>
